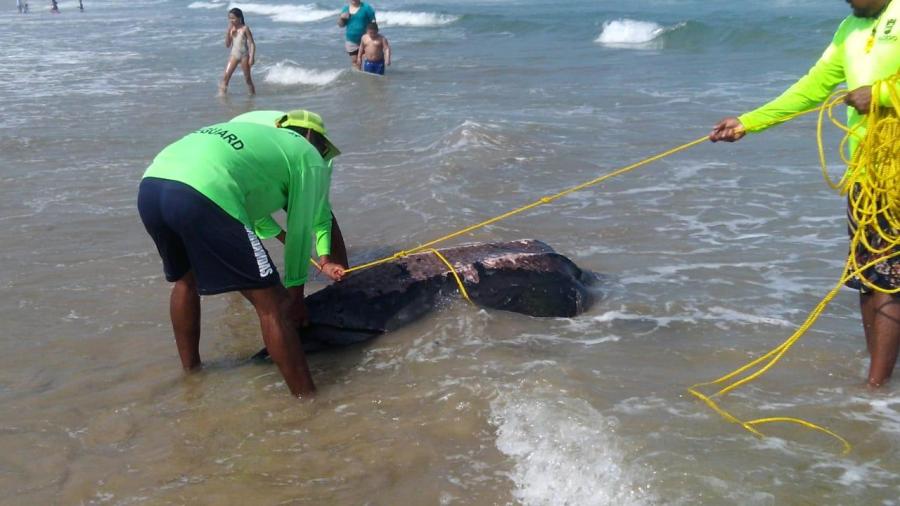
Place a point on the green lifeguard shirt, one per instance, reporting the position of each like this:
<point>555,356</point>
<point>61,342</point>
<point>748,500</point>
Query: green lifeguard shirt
<point>267,227</point>
<point>844,60</point>
<point>251,170</point>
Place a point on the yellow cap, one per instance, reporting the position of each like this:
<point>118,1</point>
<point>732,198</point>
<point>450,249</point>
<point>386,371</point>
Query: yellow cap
<point>301,118</point>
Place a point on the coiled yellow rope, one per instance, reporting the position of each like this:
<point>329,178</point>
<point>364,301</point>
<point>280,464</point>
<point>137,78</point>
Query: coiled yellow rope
<point>872,184</point>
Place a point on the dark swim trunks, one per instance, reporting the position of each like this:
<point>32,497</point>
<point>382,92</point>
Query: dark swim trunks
<point>884,274</point>
<point>374,67</point>
<point>192,233</point>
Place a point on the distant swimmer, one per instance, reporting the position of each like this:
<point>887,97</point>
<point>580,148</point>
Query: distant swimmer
<point>80,5</point>
<point>243,50</point>
<point>54,8</point>
<point>374,50</point>
<point>356,16</point>
<point>207,199</point>
<point>862,51</point>
<point>19,6</point>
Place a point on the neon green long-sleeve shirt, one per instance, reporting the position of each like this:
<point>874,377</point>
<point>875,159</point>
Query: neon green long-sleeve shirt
<point>250,171</point>
<point>844,60</point>
<point>266,227</point>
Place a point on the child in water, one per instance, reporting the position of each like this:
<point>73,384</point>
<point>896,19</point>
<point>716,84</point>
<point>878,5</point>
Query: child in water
<point>243,50</point>
<point>374,50</point>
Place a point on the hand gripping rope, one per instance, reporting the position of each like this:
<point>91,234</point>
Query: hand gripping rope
<point>872,182</point>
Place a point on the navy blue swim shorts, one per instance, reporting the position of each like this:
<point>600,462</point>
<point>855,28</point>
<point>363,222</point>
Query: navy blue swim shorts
<point>192,233</point>
<point>373,67</point>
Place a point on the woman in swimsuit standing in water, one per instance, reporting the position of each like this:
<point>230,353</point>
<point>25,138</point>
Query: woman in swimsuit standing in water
<point>243,50</point>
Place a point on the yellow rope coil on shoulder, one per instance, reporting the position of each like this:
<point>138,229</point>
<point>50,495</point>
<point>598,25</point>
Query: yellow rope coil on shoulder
<point>872,184</point>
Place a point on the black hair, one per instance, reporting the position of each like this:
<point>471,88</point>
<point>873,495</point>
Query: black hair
<point>372,26</point>
<point>238,14</point>
<point>316,139</point>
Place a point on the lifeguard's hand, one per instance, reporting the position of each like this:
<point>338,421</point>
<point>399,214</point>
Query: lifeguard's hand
<point>860,99</point>
<point>334,271</point>
<point>729,129</point>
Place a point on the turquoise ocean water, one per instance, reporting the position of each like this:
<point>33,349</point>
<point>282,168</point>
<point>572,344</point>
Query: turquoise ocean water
<point>708,258</point>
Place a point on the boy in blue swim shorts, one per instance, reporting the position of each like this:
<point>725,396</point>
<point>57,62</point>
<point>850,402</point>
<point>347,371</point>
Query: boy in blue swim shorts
<point>374,50</point>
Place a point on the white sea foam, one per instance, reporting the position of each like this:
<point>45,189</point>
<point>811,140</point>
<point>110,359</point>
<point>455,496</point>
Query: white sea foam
<point>287,13</point>
<point>565,452</point>
<point>588,340</point>
<point>718,315</point>
<point>883,413</point>
<point>629,31</point>
<point>416,19</point>
<point>206,5</point>
<point>287,74</point>
<point>856,475</point>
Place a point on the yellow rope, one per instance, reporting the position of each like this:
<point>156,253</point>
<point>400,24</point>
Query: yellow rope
<point>878,197</point>
<point>459,283</point>
<point>548,199</point>
<point>541,201</point>
<point>872,183</point>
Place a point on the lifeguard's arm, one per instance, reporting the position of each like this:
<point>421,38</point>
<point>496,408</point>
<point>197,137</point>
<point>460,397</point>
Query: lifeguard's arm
<point>809,92</point>
<point>885,93</point>
<point>332,260</point>
<point>251,44</point>
<point>266,228</point>
<point>387,50</point>
<point>338,247</point>
<point>338,255</point>
<point>301,208</point>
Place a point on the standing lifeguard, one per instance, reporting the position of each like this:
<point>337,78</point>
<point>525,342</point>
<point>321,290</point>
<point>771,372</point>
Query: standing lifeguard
<point>865,49</point>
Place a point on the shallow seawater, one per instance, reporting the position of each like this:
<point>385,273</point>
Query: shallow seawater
<point>707,259</point>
